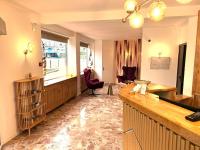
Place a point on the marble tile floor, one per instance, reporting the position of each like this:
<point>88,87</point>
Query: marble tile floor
<point>84,123</point>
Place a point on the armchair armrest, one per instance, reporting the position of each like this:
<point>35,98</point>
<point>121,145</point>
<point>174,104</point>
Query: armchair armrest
<point>121,78</point>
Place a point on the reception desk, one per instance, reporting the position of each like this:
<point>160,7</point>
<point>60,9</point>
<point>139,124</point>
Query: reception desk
<point>153,124</point>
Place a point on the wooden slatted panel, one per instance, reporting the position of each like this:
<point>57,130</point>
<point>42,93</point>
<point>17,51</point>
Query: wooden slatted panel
<point>59,93</point>
<point>144,133</point>
<point>30,106</point>
<point>196,77</point>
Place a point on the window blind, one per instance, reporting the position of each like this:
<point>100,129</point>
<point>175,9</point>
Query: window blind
<point>82,44</point>
<point>52,36</point>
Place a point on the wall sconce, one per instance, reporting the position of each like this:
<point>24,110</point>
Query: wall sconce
<point>2,27</point>
<point>28,49</point>
<point>159,54</point>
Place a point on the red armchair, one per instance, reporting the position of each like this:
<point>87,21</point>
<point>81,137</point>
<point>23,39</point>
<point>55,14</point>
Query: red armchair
<point>129,73</point>
<point>92,84</point>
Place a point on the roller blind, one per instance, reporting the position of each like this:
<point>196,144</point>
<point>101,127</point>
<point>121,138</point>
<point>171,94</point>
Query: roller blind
<point>52,36</point>
<point>82,44</point>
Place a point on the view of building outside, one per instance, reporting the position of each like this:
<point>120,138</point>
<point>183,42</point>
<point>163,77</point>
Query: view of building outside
<point>56,58</point>
<point>84,58</point>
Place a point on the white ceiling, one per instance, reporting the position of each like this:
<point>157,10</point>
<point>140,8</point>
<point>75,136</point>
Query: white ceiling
<point>112,29</point>
<point>115,29</point>
<point>44,6</point>
<point>99,19</point>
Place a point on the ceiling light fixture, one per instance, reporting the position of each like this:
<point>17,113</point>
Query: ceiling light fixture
<point>156,12</point>
<point>130,5</point>
<point>136,20</point>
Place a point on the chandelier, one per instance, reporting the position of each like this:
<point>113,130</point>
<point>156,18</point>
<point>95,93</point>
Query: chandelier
<point>156,11</point>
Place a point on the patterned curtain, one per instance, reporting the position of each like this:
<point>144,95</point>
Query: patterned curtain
<point>128,53</point>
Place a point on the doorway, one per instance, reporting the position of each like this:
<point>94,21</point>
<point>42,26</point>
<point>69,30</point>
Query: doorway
<point>181,68</point>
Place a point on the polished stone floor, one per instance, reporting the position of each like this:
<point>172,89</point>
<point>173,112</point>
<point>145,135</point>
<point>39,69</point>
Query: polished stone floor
<point>84,123</point>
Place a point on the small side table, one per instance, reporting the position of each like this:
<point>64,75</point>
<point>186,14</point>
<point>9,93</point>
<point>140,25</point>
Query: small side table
<point>110,90</point>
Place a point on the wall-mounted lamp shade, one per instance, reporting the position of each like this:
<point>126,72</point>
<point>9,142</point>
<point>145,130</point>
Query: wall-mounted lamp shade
<point>2,27</point>
<point>184,1</point>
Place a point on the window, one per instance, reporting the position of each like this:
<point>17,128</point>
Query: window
<point>84,56</point>
<point>55,53</point>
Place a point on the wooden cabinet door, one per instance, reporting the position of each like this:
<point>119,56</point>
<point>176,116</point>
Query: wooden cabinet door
<point>66,91</point>
<point>58,93</point>
<point>50,97</point>
<point>74,87</point>
<point>83,84</point>
<point>196,78</point>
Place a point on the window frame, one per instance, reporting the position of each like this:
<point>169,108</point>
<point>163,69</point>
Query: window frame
<point>84,45</point>
<point>56,38</point>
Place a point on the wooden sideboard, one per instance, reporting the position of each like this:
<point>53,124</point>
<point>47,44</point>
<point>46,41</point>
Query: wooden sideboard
<point>196,78</point>
<point>83,84</point>
<point>30,107</point>
<point>58,93</point>
<point>153,124</point>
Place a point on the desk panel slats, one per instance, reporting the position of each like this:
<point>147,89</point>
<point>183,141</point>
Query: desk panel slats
<point>148,134</point>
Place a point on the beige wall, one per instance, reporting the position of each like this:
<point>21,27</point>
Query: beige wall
<point>167,39</point>
<point>98,58</point>
<point>75,51</point>
<point>109,75</point>
<point>191,31</point>
<point>164,40</point>
<point>13,63</point>
<point>76,65</point>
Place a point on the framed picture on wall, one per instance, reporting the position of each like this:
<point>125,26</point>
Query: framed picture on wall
<point>160,63</point>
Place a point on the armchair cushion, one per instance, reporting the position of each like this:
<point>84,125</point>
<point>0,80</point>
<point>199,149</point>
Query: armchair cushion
<point>121,78</point>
